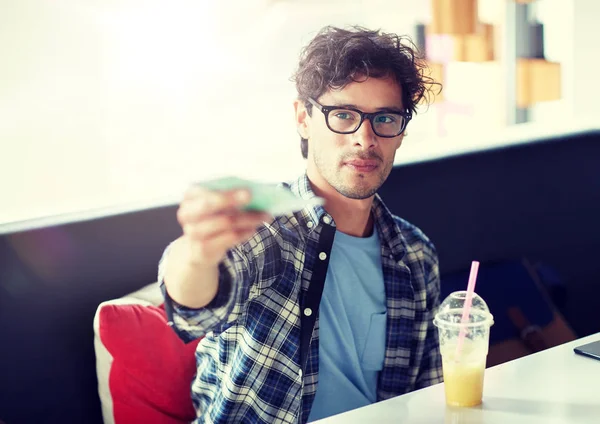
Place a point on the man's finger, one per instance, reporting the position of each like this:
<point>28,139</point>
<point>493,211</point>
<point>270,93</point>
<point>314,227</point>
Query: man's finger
<point>212,225</point>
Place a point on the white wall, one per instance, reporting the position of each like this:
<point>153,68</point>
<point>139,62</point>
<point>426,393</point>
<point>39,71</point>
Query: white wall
<point>105,102</point>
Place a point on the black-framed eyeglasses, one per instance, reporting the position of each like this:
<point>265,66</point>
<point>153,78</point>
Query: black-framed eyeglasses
<point>347,120</point>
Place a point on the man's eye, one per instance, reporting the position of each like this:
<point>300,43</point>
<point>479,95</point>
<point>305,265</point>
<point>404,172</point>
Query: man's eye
<point>385,119</point>
<point>344,115</point>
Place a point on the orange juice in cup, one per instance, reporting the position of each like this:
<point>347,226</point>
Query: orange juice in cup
<point>464,342</point>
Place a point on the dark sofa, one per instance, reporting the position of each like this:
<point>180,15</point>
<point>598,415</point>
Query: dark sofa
<point>539,199</point>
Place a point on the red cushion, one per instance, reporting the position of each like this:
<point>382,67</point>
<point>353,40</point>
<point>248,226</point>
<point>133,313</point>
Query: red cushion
<point>152,370</point>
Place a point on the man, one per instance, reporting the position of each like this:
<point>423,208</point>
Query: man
<point>330,308</point>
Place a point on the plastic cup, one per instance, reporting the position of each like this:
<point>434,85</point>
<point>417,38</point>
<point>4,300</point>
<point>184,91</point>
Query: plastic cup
<point>463,364</point>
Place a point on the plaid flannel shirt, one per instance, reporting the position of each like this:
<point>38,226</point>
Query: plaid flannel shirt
<point>259,356</point>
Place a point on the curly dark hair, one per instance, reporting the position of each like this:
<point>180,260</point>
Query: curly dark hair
<point>337,57</point>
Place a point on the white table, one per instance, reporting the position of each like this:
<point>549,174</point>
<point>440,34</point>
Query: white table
<point>553,386</point>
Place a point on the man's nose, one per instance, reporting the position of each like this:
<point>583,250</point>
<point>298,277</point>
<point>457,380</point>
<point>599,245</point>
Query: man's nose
<point>365,136</point>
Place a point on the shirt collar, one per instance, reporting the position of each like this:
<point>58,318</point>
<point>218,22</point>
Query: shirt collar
<point>310,217</point>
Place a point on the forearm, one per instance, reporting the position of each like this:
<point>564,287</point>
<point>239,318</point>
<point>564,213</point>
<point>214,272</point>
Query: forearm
<point>189,284</point>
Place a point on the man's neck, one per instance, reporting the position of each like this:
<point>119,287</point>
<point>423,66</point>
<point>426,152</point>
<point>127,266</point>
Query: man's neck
<point>351,216</point>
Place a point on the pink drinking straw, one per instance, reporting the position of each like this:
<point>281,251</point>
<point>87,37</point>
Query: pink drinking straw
<point>467,306</point>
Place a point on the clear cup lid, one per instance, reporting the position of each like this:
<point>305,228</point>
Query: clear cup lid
<point>451,310</point>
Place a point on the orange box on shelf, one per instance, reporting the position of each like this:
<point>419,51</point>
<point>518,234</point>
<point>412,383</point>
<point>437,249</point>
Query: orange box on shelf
<point>479,47</point>
<point>538,80</point>
<point>456,17</point>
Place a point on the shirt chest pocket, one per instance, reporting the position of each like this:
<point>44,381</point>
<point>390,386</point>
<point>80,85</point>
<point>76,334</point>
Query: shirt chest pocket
<point>374,349</point>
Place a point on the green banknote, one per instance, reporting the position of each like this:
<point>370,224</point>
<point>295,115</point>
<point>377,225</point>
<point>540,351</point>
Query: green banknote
<point>271,198</point>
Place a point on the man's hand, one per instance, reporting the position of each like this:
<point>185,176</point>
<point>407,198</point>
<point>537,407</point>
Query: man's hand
<point>213,222</point>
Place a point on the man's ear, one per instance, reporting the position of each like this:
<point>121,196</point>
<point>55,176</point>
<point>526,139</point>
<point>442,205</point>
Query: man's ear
<point>302,118</point>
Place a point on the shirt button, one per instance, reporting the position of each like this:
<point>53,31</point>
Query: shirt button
<point>308,312</point>
<point>326,220</point>
<point>310,224</point>
<point>322,256</point>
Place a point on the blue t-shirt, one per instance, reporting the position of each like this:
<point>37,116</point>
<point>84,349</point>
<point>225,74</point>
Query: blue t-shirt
<point>352,324</point>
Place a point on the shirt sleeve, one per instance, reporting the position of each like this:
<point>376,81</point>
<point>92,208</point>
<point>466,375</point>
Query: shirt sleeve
<point>430,370</point>
<point>235,276</point>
